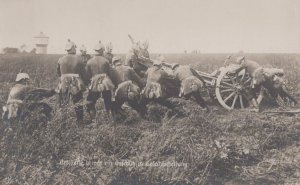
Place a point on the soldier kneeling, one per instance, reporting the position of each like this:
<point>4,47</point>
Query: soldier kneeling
<point>191,83</point>
<point>160,85</point>
<point>22,95</point>
<point>261,77</point>
<point>277,86</point>
<point>129,87</point>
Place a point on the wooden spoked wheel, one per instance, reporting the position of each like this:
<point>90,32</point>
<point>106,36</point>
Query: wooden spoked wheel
<point>231,89</point>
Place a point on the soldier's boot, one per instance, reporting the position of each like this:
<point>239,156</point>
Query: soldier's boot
<point>113,97</point>
<point>201,102</point>
<point>92,114</point>
<point>261,95</point>
<point>111,116</point>
<point>206,109</point>
<point>254,107</point>
<point>79,114</point>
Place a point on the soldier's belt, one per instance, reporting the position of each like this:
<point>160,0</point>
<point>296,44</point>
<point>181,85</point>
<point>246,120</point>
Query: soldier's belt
<point>68,75</point>
<point>127,90</point>
<point>70,83</point>
<point>103,75</point>
<point>100,83</point>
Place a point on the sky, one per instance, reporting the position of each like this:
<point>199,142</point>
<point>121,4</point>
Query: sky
<point>170,26</point>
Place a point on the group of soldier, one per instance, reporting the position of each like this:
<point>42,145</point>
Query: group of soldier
<point>137,81</point>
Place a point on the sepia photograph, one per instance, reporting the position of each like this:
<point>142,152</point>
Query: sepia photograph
<point>150,92</point>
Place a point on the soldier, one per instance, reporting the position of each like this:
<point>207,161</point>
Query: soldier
<point>258,79</point>
<point>22,93</point>
<point>108,54</point>
<point>70,69</point>
<point>270,79</point>
<point>98,70</point>
<point>138,58</point>
<point>129,87</point>
<point>227,61</point>
<point>160,85</point>
<point>84,56</point>
<point>191,83</point>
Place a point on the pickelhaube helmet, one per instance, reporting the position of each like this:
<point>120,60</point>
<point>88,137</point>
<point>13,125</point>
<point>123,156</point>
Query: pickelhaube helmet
<point>99,46</point>
<point>116,59</point>
<point>109,47</point>
<point>240,59</point>
<point>21,76</point>
<point>70,44</point>
<point>82,48</point>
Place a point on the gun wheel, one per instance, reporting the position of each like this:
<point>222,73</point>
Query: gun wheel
<point>231,89</point>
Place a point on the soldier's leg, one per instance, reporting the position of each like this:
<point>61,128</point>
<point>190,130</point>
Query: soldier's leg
<point>117,107</point>
<point>283,92</point>
<point>108,104</point>
<point>78,107</point>
<point>200,100</point>
<point>166,102</point>
<point>187,96</point>
<point>117,104</point>
<point>139,107</point>
<point>252,97</point>
<point>91,102</point>
<point>107,100</point>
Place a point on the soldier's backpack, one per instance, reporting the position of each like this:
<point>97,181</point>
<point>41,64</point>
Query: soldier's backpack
<point>100,83</point>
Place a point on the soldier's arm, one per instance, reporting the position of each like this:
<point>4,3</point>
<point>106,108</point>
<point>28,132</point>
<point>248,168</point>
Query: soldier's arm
<point>167,75</point>
<point>240,68</point>
<point>197,75</point>
<point>136,78</point>
<point>112,73</point>
<point>83,73</point>
<point>88,73</point>
<point>58,69</point>
<point>128,60</point>
<point>33,93</point>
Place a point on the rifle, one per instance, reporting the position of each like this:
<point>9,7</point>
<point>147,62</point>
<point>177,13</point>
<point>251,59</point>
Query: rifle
<point>131,39</point>
<point>284,112</point>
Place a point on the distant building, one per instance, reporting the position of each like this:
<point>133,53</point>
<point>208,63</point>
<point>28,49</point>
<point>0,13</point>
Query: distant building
<point>8,50</point>
<point>41,42</point>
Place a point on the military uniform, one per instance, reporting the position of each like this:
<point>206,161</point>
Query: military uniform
<point>85,57</point>
<point>70,69</point>
<point>98,70</point>
<point>129,87</point>
<point>126,73</point>
<point>108,53</point>
<point>191,83</point>
<point>259,79</point>
<point>160,84</point>
<point>138,64</point>
<point>109,57</point>
<point>19,95</point>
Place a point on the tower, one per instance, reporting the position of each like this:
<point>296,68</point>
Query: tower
<point>41,42</point>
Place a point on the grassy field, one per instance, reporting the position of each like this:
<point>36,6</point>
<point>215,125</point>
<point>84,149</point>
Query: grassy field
<point>168,148</point>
